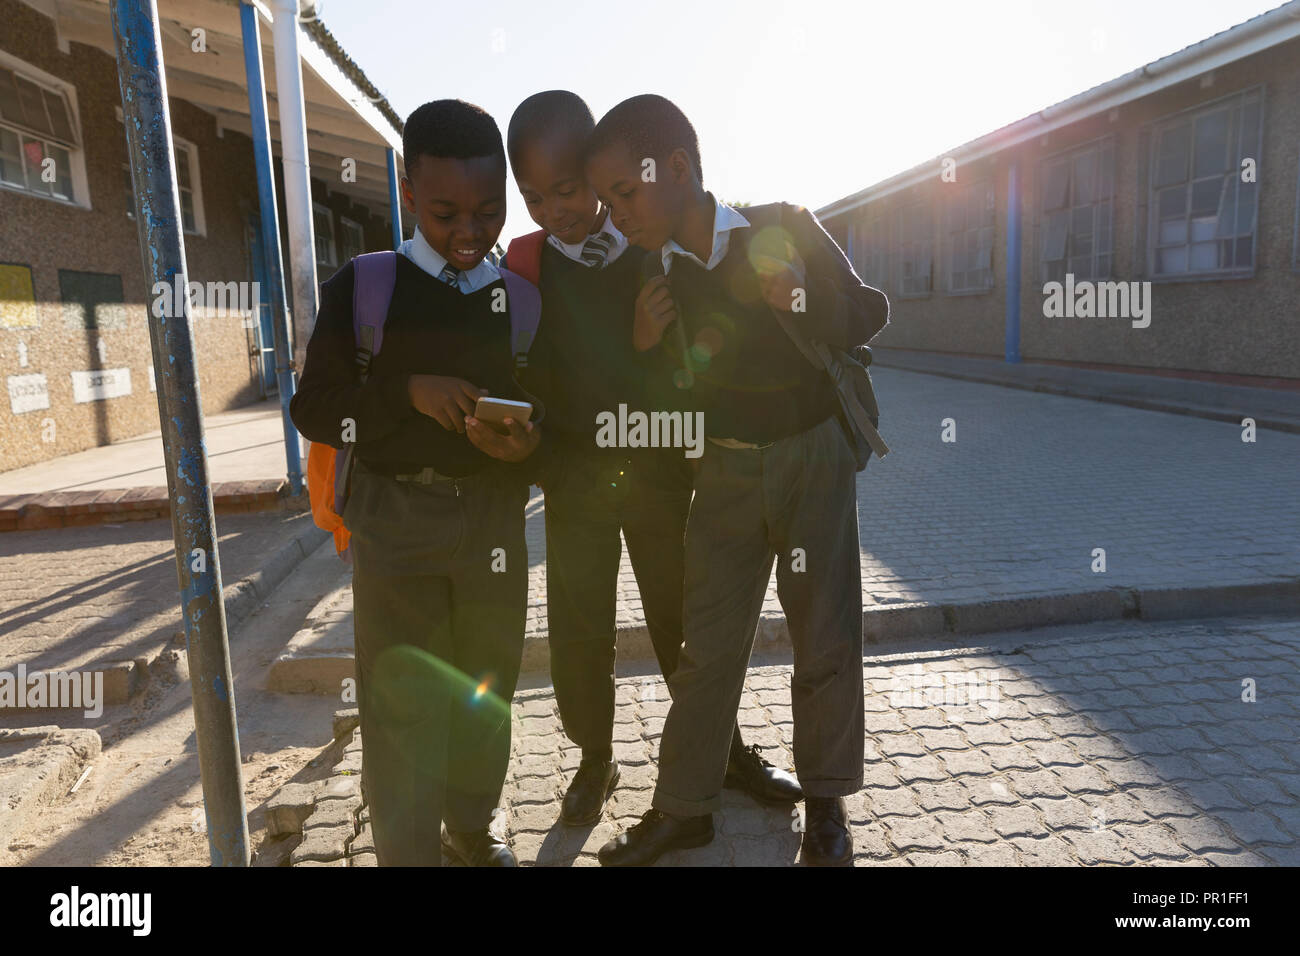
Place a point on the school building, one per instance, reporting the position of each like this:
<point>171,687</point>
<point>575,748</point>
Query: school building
<point>74,341</point>
<point>1184,174</point>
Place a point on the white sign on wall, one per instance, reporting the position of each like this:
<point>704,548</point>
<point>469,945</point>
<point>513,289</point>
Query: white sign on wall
<point>98,384</point>
<point>28,393</point>
<point>153,381</point>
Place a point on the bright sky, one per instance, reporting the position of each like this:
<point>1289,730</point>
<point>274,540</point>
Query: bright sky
<point>800,101</point>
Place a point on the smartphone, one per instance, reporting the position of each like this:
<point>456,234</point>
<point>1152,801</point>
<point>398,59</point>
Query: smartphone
<point>494,412</point>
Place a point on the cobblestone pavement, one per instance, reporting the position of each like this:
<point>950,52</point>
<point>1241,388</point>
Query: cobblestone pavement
<point>1032,485</point>
<point>70,597</point>
<point>1116,743</point>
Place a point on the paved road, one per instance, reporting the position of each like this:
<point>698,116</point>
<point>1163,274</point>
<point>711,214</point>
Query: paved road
<point>1015,506</point>
<point>1120,743</point>
<point>75,598</point>
<point>1032,485</point>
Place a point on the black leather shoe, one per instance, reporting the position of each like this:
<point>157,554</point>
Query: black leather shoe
<point>477,848</point>
<point>655,835</point>
<point>827,839</point>
<point>585,800</point>
<point>748,771</point>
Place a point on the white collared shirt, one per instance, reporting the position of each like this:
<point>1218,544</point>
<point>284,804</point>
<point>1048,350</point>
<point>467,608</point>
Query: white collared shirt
<point>725,219</point>
<point>418,250</point>
<point>573,250</point>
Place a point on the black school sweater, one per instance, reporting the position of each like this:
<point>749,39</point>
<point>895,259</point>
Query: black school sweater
<point>432,329</point>
<point>583,362</point>
<point>750,380</point>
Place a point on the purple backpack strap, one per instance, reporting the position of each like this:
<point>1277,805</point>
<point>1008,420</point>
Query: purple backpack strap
<point>374,277</point>
<point>525,303</point>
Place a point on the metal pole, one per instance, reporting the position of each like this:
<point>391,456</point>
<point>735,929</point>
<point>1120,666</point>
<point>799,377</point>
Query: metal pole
<point>297,173</point>
<point>284,369</point>
<point>394,204</point>
<point>158,215</point>
<point>1013,263</point>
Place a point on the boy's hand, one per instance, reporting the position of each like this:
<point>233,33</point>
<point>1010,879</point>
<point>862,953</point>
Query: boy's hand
<point>445,399</point>
<point>778,279</point>
<point>518,444</point>
<point>655,310</point>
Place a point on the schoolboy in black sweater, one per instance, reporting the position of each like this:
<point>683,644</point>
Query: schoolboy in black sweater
<point>583,366</point>
<point>777,478</point>
<point>436,507</point>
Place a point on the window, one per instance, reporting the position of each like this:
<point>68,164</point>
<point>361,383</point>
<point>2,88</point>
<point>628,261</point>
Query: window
<point>968,234</point>
<point>37,139</point>
<point>1202,219</point>
<point>1077,199</point>
<point>323,224</point>
<point>871,250</point>
<point>187,183</point>
<point>915,225</point>
<point>354,240</point>
<point>187,168</point>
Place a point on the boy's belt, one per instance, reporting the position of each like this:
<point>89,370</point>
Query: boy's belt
<point>735,443</point>
<point>425,476</point>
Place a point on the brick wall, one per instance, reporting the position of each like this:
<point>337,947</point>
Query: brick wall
<point>48,236</point>
<point>1246,326</point>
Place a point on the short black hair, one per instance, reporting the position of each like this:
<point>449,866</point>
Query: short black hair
<point>649,125</point>
<point>450,129</point>
<point>547,112</point>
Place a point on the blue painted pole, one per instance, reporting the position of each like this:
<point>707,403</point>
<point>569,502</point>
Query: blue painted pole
<point>158,219</point>
<point>1013,263</point>
<point>284,371</point>
<point>394,203</point>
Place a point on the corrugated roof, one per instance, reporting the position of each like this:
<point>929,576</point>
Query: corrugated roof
<point>325,40</point>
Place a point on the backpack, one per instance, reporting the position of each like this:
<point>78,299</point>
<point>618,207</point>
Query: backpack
<point>524,257</point>
<point>329,469</point>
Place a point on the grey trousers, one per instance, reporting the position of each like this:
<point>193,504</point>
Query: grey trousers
<point>439,581</point>
<point>750,506</point>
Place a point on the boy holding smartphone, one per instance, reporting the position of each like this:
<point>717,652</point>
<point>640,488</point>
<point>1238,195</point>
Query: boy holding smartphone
<point>436,506</point>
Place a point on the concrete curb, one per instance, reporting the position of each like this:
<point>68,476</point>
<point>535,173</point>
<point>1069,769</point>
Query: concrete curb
<point>320,669</point>
<point>1077,391</point>
<point>892,625</point>
<point>124,678</point>
<point>243,597</point>
<point>71,509</point>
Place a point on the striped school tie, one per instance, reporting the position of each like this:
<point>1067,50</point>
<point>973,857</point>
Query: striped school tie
<point>449,275</point>
<point>595,249</point>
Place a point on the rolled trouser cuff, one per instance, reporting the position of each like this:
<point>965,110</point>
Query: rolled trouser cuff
<point>831,787</point>
<point>677,807</point>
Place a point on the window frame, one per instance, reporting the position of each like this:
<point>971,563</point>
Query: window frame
<point>990,205</point>
<point>1235,101</point>
<point>319,210</point>
<point>196,185</point>
<point>73,144</point>
<point>1068,155</point>
<point>871,247</point>
<point>923,208</point>
<point>344,224</point>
